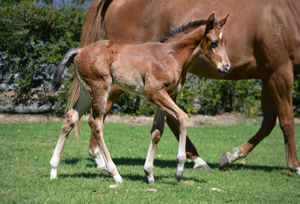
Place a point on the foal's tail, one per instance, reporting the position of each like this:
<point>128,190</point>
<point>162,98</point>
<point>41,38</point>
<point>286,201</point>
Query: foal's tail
<point>57,78</point>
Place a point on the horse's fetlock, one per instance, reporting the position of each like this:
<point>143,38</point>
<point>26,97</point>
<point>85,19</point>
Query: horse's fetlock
<point>181,159</point>
<point>147,169</point>
<point>53,165</point>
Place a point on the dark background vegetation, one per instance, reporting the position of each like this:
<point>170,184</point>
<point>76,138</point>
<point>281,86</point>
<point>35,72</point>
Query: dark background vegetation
<point>34,35</point>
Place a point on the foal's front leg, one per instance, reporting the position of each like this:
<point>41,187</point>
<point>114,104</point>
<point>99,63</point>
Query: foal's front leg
<point>164,101</point>
<point>156,133</point>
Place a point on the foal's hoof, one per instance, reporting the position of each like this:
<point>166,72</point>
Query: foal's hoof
<point>202,166</point>
<point>177,177</point>
<point>225,160</point>
<point>150,178</point>
<point>118,179</point>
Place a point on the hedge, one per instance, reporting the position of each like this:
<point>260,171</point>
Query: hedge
<point>34,39</point>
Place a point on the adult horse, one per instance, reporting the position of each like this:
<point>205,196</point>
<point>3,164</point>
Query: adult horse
<point>263,39</point>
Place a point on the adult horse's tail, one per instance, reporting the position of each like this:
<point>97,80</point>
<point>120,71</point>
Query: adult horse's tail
<point>93,30</point>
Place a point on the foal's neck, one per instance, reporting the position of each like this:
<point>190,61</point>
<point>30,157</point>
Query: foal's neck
<point>184,46</point>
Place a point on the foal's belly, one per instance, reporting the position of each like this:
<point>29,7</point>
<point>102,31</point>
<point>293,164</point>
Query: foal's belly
<point>128,80</point>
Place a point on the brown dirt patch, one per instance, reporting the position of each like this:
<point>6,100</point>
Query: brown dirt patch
<point>195,120</point>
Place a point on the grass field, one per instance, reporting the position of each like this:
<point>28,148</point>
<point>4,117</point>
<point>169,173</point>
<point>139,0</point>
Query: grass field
<point>26,150</point>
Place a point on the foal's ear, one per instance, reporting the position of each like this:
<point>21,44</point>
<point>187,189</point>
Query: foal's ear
<point>223,21</point>
<point>210,22</point>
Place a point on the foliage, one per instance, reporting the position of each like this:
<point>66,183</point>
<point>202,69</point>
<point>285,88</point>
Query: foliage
<point>296,97</point>
<point>212,97</point>
<point>33,40</point>
<point>261,177</point>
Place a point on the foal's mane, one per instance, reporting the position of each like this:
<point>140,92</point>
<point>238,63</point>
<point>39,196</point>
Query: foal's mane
<point>171,33</point>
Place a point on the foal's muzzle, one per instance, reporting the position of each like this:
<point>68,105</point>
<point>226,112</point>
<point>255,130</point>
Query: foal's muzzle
<point>224,69</point>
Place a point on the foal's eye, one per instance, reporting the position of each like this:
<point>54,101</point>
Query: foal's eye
<point>214,44</point>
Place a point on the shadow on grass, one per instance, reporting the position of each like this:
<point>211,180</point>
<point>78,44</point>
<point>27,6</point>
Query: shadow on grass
<point>160,163</point>
<point>163,163</point>
<point>71,161</point>
<point>252,167</point>
<point>131,177</point>
<point>189,165</point>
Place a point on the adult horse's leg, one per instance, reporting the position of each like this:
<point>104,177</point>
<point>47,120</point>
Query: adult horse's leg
<point>72,117</point>
<point>283,95</point>
<point>156,133</point>
<point>276,98</point>
<point>94,151</point>
<point>268,123</point>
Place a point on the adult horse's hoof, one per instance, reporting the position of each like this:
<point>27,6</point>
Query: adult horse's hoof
<point>225,160</point>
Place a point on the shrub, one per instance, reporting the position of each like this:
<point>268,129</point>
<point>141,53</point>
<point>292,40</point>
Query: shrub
<point>34,39</point>
<point>206,96</point>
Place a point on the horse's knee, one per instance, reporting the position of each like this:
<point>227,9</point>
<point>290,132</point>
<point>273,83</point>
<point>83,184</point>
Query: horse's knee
<point>287,127</point>
<point>156,135</point>
<point>183,120</point>
<point>96,126</point>
<point>90,121</point>
<point>72,117</point>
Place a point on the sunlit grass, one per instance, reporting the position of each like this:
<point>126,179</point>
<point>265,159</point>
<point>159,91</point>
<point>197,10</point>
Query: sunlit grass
<point>26,149</point>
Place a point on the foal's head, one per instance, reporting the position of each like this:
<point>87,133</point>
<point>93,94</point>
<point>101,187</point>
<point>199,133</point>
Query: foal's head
<point>213,44</point>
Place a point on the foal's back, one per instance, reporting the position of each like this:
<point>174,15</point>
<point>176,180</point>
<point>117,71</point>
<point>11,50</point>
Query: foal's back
<point>131,66</point>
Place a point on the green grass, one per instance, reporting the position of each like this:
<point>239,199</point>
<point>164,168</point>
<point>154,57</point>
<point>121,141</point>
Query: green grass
<point>26,150</point>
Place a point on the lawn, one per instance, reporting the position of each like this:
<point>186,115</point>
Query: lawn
<point>26,149</point>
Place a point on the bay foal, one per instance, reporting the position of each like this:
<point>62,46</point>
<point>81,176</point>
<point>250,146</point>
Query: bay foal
<point>154,69</point>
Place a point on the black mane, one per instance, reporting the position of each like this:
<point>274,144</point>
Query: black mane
<point>180,29</point>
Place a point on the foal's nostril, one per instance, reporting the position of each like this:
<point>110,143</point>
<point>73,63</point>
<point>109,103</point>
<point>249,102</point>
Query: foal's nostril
<point>227,68</point>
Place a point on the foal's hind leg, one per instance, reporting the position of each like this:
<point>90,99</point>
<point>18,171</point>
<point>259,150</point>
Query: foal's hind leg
<point>99,94</point>
<point>94,151</point>
<point>156,133</point>
<point>72,117</point>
